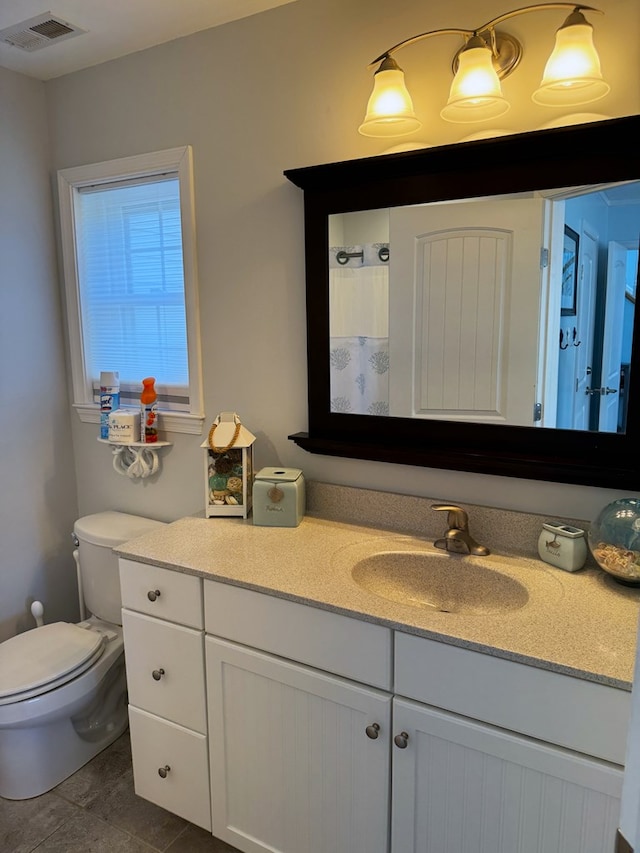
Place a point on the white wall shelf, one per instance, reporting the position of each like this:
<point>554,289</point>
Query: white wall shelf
<point>137,443</point>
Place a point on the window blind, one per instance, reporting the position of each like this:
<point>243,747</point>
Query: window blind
<point>131,284</point>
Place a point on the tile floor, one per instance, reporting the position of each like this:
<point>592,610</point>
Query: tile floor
<point>97,811</point>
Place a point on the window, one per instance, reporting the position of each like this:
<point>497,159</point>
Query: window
<point>128,242</point>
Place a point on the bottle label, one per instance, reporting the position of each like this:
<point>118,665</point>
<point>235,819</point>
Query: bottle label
<point>109,402</point>
<point>149,423</point>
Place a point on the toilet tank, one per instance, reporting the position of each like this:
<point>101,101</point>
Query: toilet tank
<point>97,535</point>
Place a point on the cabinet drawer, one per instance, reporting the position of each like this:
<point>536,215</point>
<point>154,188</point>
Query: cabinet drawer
<point>165,669</point>
<point>328,641</point>
<point>156,745</point>
<point>162,593</point>
<point>579,715</point>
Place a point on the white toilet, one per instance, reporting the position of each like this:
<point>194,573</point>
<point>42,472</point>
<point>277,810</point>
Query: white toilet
<point>62,686</point>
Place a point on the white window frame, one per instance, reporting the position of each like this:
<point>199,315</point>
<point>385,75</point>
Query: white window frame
<point>174,160</point>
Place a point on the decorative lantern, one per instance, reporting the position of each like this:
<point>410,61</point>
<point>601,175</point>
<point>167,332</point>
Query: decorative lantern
<point>228,467</point>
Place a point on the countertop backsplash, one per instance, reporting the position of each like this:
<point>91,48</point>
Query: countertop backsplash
<point>502,531</point>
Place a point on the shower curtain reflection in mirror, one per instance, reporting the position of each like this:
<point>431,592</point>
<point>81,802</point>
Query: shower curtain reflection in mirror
<point>359,322</point>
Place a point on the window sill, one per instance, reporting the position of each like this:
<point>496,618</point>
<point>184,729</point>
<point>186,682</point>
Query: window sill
<point>171,421</point>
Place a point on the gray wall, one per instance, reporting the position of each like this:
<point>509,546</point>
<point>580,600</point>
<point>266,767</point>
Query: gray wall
<point>283,89</point>
<point>38,502</point>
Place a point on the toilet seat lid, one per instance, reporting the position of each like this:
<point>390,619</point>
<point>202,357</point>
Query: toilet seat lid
<point>31,662</point>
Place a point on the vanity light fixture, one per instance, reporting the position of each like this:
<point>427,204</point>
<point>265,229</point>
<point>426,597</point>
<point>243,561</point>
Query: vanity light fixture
<point>572,74</point>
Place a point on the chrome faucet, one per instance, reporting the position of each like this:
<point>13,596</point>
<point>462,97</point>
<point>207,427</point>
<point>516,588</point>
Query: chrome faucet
<point>457,538</point>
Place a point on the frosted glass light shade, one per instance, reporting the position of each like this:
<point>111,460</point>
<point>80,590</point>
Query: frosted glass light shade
<point>572,74</point>
<point>390,108</point>
<point>475,93</point>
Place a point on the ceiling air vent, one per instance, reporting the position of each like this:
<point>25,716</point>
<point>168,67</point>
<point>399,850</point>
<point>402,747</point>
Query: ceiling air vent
<point>39,32</point>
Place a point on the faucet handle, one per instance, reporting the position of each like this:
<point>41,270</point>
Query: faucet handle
<point>457,518</point>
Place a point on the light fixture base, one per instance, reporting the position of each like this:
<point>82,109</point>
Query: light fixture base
<point>507,53</point>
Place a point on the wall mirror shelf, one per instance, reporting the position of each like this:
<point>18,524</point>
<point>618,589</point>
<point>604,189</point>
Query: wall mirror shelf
<point>563,437</point>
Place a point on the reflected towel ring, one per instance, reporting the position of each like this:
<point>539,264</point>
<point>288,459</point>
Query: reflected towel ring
<point>343,257</point>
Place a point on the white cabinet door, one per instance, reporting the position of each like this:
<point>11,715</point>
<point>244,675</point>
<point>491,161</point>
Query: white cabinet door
<point>293,769</point>
<point>464,787</point>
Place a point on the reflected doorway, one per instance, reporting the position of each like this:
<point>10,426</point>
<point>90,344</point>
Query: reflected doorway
<point>596,324</point>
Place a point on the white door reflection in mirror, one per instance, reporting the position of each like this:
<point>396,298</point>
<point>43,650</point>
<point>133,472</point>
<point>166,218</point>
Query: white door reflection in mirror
<point>464,310</point>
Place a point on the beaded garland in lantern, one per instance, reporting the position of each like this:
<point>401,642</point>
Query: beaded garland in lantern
<point>228,467</point>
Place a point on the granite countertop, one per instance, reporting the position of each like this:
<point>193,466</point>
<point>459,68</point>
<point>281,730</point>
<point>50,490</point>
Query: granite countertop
<point>582,624</point>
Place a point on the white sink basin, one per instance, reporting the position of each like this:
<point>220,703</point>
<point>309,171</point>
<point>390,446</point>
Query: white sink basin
<point>441,582</point>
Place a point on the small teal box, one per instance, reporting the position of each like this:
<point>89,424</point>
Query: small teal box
<point>278,497</point>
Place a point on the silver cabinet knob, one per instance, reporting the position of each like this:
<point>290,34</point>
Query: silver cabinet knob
<point>373,731</point>
<point>401,740</point>
<point>153,594</point>
<point>162,771</point>
<point>157,674</point>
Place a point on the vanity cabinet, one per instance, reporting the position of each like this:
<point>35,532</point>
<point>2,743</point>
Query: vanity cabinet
<point>486,755</point>
<point>164,646</point>
<point>324,733</point>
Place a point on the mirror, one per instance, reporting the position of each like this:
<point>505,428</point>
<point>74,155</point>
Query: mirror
<point>484,310</point>
<point>489,287</point>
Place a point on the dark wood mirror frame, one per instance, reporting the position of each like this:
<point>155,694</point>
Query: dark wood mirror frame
<point>602,152</point>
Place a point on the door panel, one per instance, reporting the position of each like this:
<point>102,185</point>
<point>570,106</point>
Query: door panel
<point>463,787</point>
<point>583,377</point>
<point>292,767</point>
<point>612,343</point>
<point>471,274</point>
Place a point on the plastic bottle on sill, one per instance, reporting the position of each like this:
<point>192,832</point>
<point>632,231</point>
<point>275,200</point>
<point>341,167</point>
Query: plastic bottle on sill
<point>149,411</point>
<point>109,398</point>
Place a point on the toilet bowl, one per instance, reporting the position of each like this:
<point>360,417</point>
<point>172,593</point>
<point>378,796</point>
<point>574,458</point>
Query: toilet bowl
<point>62,686</point>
